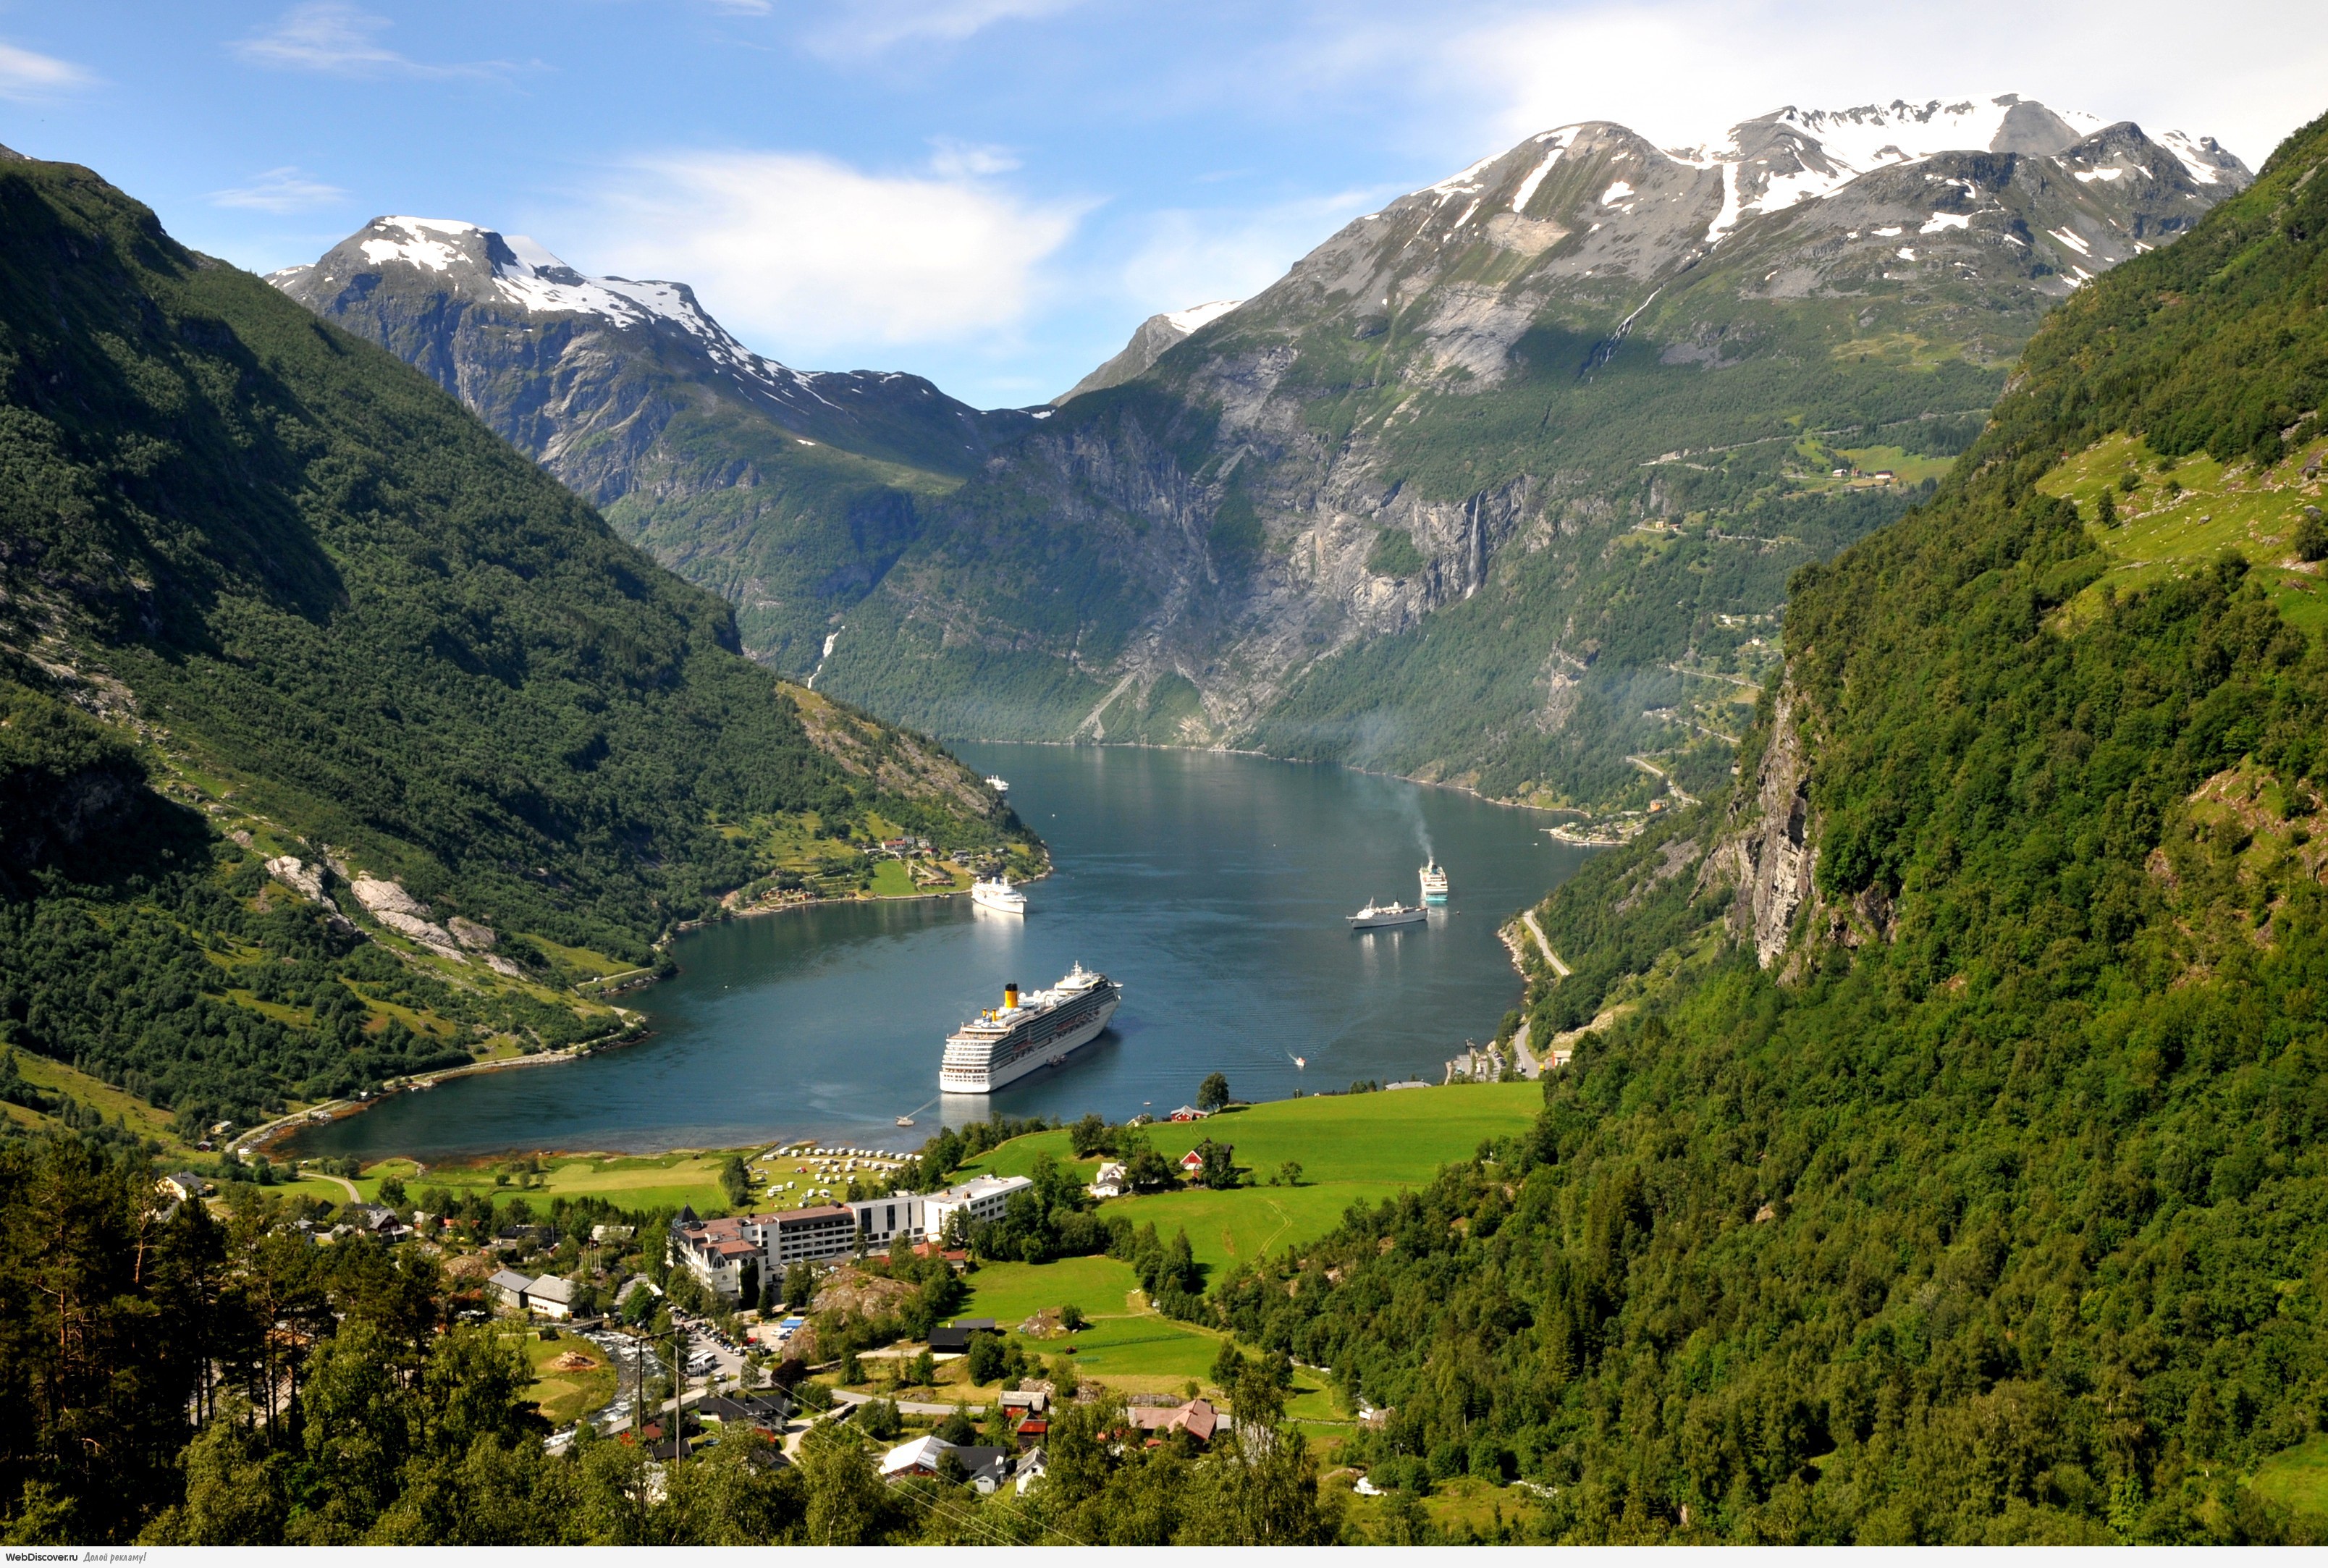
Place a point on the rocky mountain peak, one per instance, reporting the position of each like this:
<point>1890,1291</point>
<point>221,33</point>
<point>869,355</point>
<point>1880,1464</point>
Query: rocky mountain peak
<point>1149,343</point>
<point>511,274</point>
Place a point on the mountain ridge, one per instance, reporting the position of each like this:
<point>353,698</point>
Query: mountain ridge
<point>1493,413</point>
<point>784,490</point>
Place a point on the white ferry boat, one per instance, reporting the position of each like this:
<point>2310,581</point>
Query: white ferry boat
<point>1041,1030</point>
<point>1434,883</point>
<point>998,784</point>
<point>998,895</point>
<point>1375,915</point>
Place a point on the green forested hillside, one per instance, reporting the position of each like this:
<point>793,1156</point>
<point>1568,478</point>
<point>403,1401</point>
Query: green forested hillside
<point>1995,1207</point>
<point>333,616</point>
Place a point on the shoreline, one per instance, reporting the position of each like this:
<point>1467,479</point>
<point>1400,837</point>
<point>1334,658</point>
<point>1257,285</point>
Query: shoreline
<point>1272,757</point>
<point>266,1134</point>
<point>752,911</point>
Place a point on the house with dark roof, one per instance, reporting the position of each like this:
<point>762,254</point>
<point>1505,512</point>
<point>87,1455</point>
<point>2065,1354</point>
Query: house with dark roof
<point>953,1339</point>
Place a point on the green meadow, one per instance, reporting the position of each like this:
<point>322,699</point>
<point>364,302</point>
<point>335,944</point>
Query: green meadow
<point>1350,1147</point>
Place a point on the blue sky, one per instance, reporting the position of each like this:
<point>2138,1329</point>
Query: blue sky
<point>993,192</point>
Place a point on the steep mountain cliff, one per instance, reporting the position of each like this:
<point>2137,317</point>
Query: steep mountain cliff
<point>1502,485</point>
<point>789,494</point>
<point>1940,1156</point>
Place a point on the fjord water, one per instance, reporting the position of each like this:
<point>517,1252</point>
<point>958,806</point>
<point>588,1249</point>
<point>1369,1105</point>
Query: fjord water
<point>1213,888</point>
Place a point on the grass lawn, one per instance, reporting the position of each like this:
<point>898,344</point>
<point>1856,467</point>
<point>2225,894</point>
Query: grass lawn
<point>2297,1477</point>
<point>1010,1293</point>
<point>1349,1146</point>
<point>892,880</point>
<point>567,1395</point>
<point>627,1181</point>
<point>1229,1228</point>
<point>1401,1138</point>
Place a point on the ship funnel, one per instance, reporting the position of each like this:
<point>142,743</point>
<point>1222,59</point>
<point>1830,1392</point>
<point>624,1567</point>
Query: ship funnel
<point>1010,994</point>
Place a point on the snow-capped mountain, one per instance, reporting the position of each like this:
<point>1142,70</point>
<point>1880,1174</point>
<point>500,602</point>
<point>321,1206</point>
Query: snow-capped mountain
<point>1410,505</point>
<point>1149,343</point>
<point>635,396</point>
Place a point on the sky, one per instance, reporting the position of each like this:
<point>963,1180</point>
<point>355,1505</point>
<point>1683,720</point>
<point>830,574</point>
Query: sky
<point>995,193</point>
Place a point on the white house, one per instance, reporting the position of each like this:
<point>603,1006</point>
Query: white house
<point>551,1297</point>
<point>1110,1182</point>
<point>979,1200</point>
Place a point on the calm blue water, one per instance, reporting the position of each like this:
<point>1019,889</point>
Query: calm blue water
<point>1213,888</point>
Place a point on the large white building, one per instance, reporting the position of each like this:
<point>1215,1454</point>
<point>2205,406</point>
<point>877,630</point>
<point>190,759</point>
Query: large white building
<point>716,1249</point>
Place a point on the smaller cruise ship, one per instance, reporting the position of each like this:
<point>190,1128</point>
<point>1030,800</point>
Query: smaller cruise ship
<point>1434,883</point>
<point>997,893</point>
<point>1374,916</point>
<point>1000,785</point>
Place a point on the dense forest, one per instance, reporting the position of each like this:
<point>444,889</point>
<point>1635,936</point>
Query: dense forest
<point>1993,1209</point>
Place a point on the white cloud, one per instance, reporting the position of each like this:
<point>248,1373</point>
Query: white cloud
<point>283,190</point>
<point>802,255</point>
<point>1186,256</point>
<point>956,160</point>
<point>25,75</point>
<point>871,26</point>
<point>337,39</point>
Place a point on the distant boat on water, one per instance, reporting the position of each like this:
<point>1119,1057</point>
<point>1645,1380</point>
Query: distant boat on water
<point>1434,883</point>
<point>1375,915</point>
<point>998,784</point>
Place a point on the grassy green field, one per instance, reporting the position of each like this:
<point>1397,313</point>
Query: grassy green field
<point>1010,1293</point>
<point>1401,1138</point>
<point>141,1118</point>
<point>628,1181</point>
<point>564,1394</point>
<point>2297,1477</point>
<point>1229,1228</point>
<point>1349,1146</point>
<point>2168,532</point>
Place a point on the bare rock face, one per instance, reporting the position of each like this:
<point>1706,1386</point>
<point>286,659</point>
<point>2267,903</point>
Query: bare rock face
<point>476,938</point>
<point>298,875</point>
<point>400,912</point>
<point>1769,852</point>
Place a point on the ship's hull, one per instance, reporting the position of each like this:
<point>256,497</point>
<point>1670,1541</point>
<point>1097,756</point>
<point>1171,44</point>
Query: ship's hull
<point>1433,899</point>
<point>1376,922</point>
<point>1000,902</point>
<point>1051,1053</point>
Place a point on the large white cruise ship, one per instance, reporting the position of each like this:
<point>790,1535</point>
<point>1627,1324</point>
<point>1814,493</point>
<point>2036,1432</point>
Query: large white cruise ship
<point>1040,1029</point>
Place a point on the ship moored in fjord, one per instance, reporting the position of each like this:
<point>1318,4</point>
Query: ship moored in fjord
<point>1040,1029</point>
<point>1434,882</point>
<point>1374,916</point>
<point>997,893</point>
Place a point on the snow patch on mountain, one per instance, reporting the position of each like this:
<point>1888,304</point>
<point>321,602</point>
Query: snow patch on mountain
<point>528,275</point>
<point>2202,157</point>
<point>1184,321</point>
